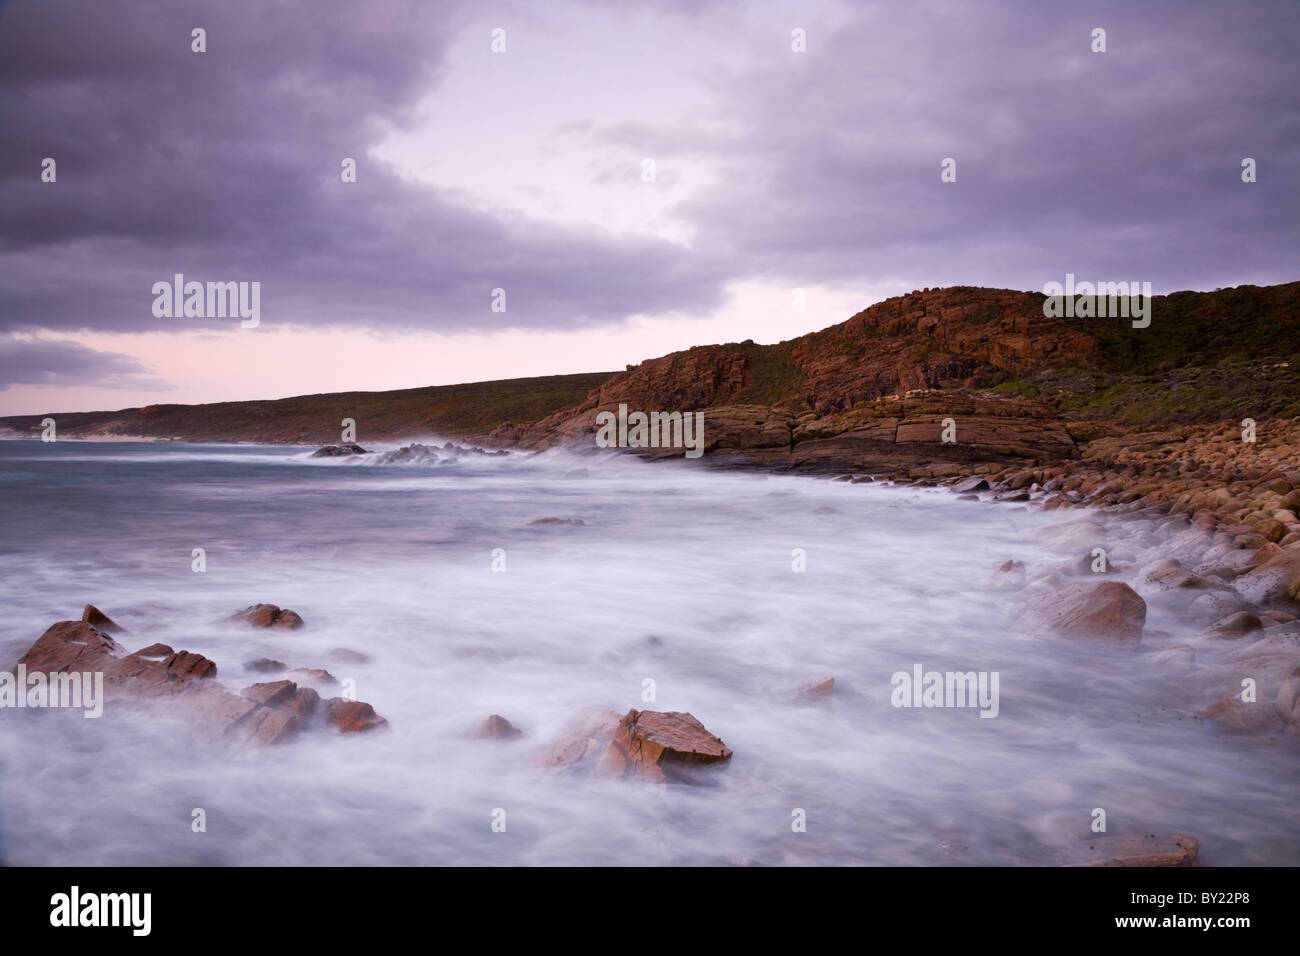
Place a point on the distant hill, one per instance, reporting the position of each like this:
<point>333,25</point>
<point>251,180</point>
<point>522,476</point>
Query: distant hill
<point>460,411</point>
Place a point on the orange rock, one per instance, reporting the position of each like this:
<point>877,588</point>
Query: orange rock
<point>662,747</point>
<point>182,684</point>
<point>352,716</point>
<point>268,615</point>
<point>94,616</point>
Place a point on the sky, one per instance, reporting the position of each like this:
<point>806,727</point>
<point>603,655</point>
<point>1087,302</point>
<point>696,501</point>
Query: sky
<point>578,186</point>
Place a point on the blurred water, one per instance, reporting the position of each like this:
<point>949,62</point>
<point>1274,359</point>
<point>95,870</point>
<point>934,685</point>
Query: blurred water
<point>679,575</point>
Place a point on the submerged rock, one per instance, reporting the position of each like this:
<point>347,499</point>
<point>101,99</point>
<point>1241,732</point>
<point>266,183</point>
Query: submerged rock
<point>268,615</point>
<point>352,716</point>
<point>498,728</point>
<point>815,691</point>
<point>1105,611</point>
<point>1010,576</point>
<point>1288,697</point>
<point>179,684</point>
<point>94,616</point>
<point>1277,580</point>
<point>339,451</point>
<point>1232,713</point>
<point>584,739</point>
<point>1176,849</point>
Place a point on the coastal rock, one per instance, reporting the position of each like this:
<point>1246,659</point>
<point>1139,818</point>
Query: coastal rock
<point>498,728</point>
<point>272,693</point>
<point>94,616</point>
<point>1288,697</point>
<point>1236,625</point>
<point>661,746</point>
<point>352,716</point>
<point>268,615</point>
<point>968,485</point>
<point>1105,611</point>
<point>1010,576</point>
<point>1238,716</point>
<point>180,684</point>
<point>339,451</point>
<point>815,691</point>
<point>1176,849</point>
<point>1275,581</point>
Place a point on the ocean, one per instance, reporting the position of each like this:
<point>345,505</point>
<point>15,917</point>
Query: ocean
<point>679,583</point>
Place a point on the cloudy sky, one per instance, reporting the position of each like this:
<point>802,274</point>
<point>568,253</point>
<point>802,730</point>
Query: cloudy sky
<point>529,170</point>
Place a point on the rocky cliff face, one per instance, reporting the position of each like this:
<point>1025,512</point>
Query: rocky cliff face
<point>874,392</point>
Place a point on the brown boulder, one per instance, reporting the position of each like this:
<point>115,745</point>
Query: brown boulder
<point>661,747</point>
<point>352,716</point>
<point>1235,625</point>
<point>97,618</point>
<point>289,620</point>
<point>498,728</point>
<point>1104,611</point>
<point>272,693</point>
<point>268,615</point>
<point>1232,713</point>
<point>181,684</point>
<point>1276,580</point>
<point>1177,849</point>
<point>1288,697</point>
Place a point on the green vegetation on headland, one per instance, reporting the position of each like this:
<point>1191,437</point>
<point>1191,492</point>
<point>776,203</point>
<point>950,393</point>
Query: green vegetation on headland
<point>456,411</point>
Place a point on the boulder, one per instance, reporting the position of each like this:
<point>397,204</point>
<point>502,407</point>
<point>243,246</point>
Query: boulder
<point>1235,625</point>
<point>815,691</point>
<point>352,716</point>
<point>661,746</point>
<point>1277,580</point>
<point>1105,611</point>
<point>498,728</point>
<point>1238,716</point>
<point>1176,849</point>
<point>969,485</point>
<point>272,693</point>
<point>339,451</point>
<point>94,616</point>
<point>1010,576</point>
<point>268,615</point>
<point>585,737</point>
<point>177,684</point>
<point>1288,697</point>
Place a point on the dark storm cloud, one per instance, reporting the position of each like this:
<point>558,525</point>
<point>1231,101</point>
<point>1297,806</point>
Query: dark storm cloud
<point>71,364</point>
<point>1117,165</point>
<point>225,166</point>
